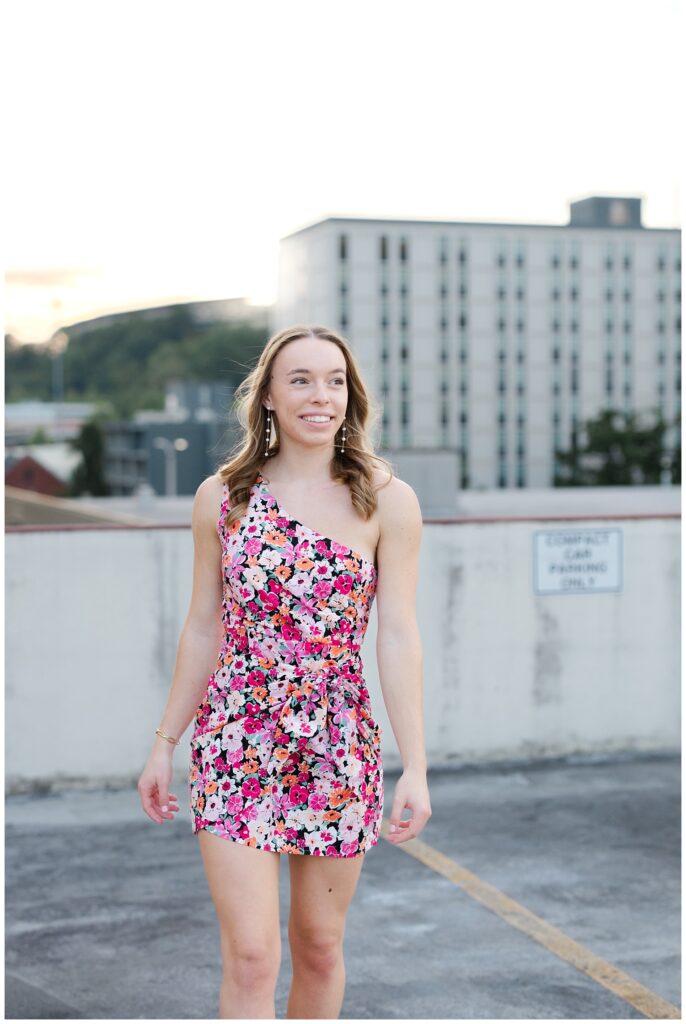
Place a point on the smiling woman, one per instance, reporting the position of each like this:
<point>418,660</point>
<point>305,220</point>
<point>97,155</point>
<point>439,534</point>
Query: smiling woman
<point>296,537</point>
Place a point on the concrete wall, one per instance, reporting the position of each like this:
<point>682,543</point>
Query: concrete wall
<point>94,615</point>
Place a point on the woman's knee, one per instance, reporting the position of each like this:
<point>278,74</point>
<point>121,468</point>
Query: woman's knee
<point>315,948</point>
<point>251,963</point>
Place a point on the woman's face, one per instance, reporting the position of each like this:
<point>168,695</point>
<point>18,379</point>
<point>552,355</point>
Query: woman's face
<point>309,377</point>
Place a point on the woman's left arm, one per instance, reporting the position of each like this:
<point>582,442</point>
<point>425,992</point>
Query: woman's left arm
<point>399,651</point>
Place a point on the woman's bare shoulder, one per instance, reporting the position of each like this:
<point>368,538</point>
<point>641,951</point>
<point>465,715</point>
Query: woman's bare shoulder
<point>208,498</point>
<point>390,486</point>
<point>398,504</point>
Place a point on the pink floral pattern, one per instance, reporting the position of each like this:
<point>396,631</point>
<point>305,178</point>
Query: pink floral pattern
<point>285,754</point>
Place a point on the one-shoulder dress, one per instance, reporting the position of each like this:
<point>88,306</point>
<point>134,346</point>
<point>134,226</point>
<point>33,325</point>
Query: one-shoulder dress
<point>285,753</point>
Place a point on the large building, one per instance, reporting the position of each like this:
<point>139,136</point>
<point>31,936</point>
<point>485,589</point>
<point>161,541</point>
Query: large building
<point>497,340</point>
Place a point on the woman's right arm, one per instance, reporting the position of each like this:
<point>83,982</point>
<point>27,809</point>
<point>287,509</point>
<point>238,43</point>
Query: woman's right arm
<point>197,652</point>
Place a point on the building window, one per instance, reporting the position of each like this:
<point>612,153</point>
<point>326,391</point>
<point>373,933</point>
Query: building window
<point>342,247</point>
<point>403,250</point>
<point>383,247</point>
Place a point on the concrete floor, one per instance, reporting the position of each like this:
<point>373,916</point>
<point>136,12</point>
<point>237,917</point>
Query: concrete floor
<point>109,915</point>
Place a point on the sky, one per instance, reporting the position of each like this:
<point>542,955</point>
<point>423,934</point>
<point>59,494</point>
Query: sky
<point>157,151</point>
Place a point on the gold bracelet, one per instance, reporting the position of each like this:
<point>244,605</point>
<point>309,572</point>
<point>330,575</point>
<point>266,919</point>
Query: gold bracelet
<point>169,738</point>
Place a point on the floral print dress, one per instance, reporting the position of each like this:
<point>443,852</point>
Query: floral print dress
<point>285,754</point>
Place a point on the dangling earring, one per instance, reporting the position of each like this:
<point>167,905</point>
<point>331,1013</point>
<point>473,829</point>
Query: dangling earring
<point>269,427</point>
<point>343,438</point>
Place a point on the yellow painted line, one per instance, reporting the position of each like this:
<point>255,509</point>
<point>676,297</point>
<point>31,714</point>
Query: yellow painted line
<point>627,988</point>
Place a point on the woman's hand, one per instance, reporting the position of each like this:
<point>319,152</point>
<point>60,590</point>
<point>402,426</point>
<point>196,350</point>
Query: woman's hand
<point>411,790</point>
<point>153,786</point>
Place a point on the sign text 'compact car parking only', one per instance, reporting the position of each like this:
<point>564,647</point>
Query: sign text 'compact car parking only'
<point>577,561</point>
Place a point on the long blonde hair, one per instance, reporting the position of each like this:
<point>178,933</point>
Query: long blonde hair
<point>354,467</point>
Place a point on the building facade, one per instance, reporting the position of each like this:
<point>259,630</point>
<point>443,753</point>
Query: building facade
<point>495,340</point>
<point>173,449</point>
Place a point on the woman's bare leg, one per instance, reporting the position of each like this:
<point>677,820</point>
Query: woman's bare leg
<point>321,891</point>
<point>244,885</point>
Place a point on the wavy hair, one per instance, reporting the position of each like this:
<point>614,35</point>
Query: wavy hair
<point>354,467</point>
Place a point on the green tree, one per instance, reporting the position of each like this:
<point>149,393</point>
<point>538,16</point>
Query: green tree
<point>89,475</point>
<point>39,437</point>
<point>28,371</point>
<point>618,449</point>
<point>129,360</point>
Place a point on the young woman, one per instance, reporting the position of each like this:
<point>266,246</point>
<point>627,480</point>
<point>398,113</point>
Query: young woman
<point>294,538</point>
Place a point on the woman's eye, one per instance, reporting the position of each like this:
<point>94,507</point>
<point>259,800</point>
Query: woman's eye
<point>296,380</point>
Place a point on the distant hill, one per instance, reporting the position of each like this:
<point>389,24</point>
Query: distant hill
<point>127,360</point>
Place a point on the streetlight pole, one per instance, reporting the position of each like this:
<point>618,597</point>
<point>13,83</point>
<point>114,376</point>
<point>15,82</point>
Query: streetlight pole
<point>170,448</point>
